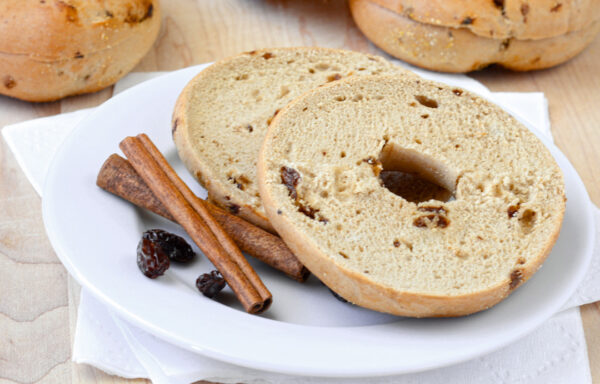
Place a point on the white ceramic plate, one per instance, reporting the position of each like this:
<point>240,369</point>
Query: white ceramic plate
<point>306,331</point>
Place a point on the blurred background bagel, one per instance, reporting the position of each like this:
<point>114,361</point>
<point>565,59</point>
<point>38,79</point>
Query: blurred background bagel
<point>455,36</point>
<point>51,49</point>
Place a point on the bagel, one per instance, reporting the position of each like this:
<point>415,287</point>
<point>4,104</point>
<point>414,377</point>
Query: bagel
<point>458,49</point>
<point>222,115</point>
<point>502,19</point>
<point>319,178</point>
<point>53,49</point>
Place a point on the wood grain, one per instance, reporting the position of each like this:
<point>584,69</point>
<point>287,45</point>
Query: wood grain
<point>38,301</point>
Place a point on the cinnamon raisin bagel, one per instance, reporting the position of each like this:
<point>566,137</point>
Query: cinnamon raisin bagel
<point>319,179</point>
<point>222,115</point>
<point>502,19</point>
<point>51,49</point>
<point>449,49</point>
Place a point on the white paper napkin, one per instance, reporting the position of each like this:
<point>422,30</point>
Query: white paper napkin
<point>554,353</point>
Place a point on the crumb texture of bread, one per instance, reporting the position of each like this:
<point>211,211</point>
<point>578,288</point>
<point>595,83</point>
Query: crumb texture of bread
<point>323,171</point>
<point>450,49</point>
<point>222,115</point>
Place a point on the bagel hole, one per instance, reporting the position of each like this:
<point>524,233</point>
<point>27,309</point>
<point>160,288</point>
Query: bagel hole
<point>414,176</point>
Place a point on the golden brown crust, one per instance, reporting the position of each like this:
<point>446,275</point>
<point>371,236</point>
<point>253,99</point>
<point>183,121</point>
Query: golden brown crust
<point>72,47</point>
<point>363,290</point>
<point>356,288</point>
<point>501,19</point>
<point>459,50</point>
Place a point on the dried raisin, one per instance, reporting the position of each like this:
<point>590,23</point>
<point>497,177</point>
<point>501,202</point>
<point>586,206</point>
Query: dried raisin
<point>210,284</point>
<point>151,258</point>
<point>176,248</point>
<point>290,178</point>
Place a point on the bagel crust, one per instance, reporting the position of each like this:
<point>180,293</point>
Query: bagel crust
<point>450,49</point>
<point>53,49</point>
<point>318,173</point>
<point>502,19</point>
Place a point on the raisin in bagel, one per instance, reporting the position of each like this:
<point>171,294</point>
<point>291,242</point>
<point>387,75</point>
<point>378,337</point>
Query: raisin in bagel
<point>458,49</point>
<point>318,173</point>
<point>52,49</point>
<point>222,115</point>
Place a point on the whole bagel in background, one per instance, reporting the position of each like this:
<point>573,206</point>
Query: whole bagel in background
<point>501,19</point>
<point>51,49</point>
<point>459,49</point>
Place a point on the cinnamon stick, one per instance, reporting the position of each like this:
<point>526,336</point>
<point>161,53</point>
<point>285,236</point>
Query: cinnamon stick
<point>166,186</point>
<point>118,177</point>
<point>199,206</point>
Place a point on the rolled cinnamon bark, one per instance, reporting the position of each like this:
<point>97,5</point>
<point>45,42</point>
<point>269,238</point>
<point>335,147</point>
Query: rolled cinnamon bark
<point>118,177</point>
<point>164,183</point>
<point>199,206</point>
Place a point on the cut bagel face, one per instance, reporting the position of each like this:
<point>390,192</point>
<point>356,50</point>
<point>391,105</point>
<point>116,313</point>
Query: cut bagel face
<point>222,115</point>
<point>320,178</point>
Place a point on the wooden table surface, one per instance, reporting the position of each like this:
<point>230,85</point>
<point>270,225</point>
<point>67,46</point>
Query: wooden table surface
<point>38,300</point>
